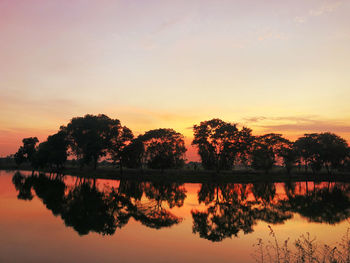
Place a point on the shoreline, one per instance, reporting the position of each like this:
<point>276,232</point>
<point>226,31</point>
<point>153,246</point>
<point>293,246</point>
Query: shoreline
<point>200,176</point>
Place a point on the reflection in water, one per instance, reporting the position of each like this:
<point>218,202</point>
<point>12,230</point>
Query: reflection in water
<point>324,203</point>
<point>153,213</point>
<point>269,206</point>
<point>228,208</point>
<point>89,209</point>
<point>228,211</point>
<point>23,186</point>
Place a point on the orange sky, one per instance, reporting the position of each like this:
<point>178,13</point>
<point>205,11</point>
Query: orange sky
<point>274,66</point>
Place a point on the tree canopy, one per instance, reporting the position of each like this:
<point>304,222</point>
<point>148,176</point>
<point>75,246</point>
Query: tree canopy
<point>157,149</point>
<point>216,143</point>
<point>27,151</point>
<point>220,146</point>
<point>93,136</point>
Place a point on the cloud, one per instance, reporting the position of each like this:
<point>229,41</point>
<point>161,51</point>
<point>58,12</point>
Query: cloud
<point>269,33</point>
<point>150,42</point>
<point>23,99</point>
<point>168,24</point>
<point>326,7</point>
<point>299,20</point>
<point>299,124</point>
<point>279,119</point>
<point>255,119</point>
<point>316,126</point>
<point>29,111</point>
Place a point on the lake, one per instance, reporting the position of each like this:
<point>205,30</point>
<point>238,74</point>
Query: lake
<point>68,219</point>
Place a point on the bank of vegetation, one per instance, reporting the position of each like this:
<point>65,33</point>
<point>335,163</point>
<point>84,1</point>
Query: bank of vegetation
<point>97,140</point>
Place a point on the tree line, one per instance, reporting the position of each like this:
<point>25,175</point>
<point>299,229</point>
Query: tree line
<point>221,146</point>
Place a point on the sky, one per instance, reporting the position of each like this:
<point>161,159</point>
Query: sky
<point>274,66</point>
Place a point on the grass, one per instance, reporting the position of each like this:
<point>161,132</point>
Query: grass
<point>305,249</point>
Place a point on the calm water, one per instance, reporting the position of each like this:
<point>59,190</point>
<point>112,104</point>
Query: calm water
<point>49,219</point>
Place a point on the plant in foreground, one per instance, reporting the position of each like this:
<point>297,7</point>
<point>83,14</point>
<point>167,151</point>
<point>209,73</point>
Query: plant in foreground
<point>306,249</point>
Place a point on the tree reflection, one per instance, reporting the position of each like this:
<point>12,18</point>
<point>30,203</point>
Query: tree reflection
<point>51,191</point>
<point>232,208</point>
<point>23,185</point>
<point>229,209</point>
<point>154,212</point>
<point>86,208</point>
<point>228,212</point>
<point>269,209</point>
<point>321,204</point>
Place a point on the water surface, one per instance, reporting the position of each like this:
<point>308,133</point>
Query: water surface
<point>55,219</point>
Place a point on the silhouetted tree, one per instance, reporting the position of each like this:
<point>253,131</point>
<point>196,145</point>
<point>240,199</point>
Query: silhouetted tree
<point>132,154</point>
<point>41,157</point>
<point>19,157</point>
<point>58,145</point>
<point>216,143</point>
<point>90,137</point>
<point>308,151</point>
<point>52,152</point>
<point>245,143</point>
<point>288,154</point>
<point>334,150</point>
<point>263,158</point>
<point>122,136</point>
<point>163,148</point>
<point>318,150</point>
<point>266,148</point>
<point>220,145</point>
<point>27,151</point>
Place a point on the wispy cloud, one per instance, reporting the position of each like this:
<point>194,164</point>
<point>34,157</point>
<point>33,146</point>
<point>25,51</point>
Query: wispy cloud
<point>326,7</point>
<point>255,119</point>
<point>299,20</point>
<point>299,124</point>
<point>168,24</point>
<point>315,126</point>
<point>268,33</point>
<point>48,107</point>
<point>149,42</point>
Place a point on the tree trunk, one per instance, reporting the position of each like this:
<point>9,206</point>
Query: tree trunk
<point>288,170</point>
<point>95,163</point>
<point>327,167</point>
<point>121,166</point>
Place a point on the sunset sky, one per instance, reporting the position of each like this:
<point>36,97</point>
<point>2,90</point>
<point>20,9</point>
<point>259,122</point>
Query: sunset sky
<point>274,66</point>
